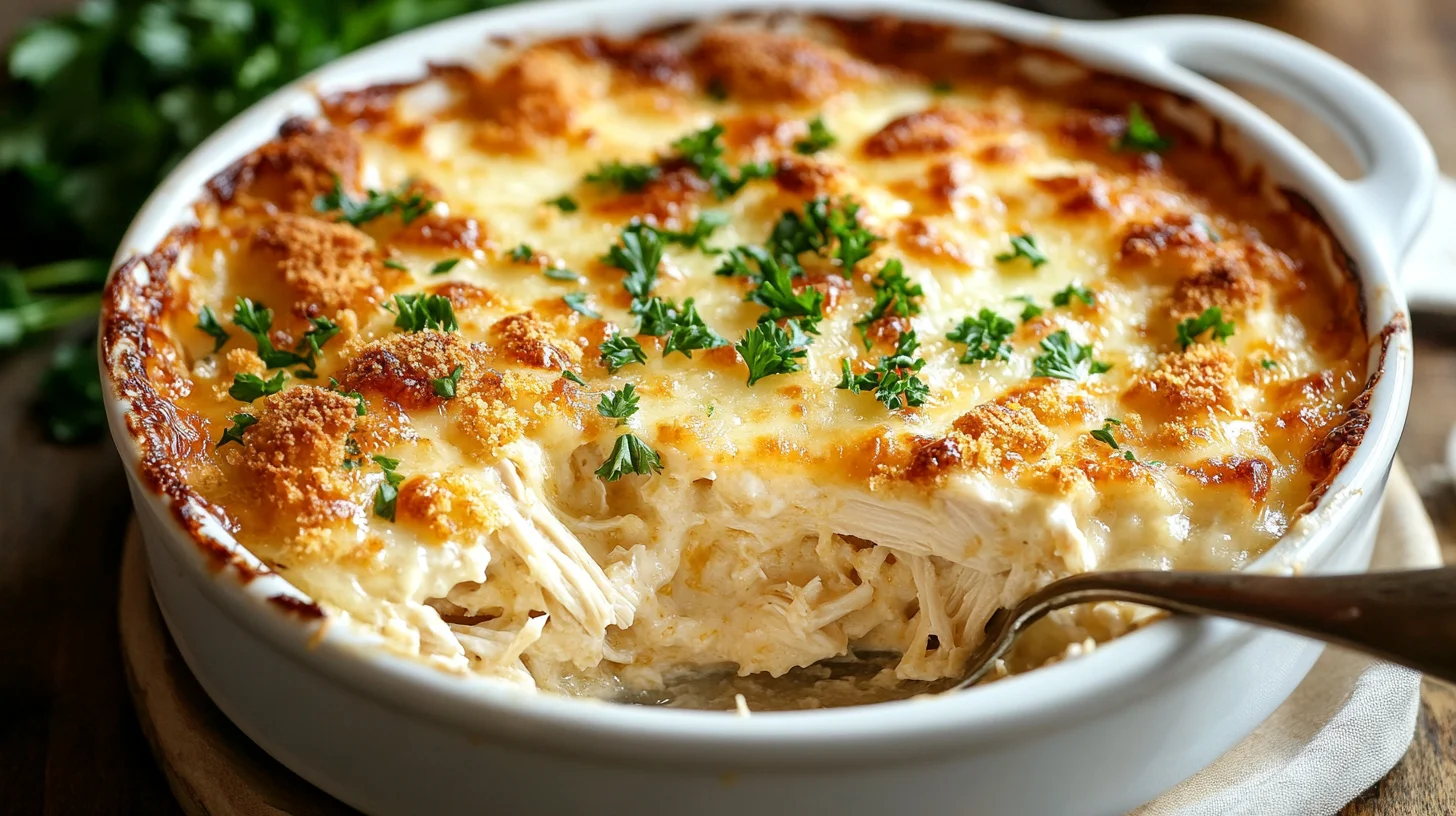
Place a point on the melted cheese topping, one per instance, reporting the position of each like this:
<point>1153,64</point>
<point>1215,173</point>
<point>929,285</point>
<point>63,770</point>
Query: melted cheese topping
<point>793,521</point>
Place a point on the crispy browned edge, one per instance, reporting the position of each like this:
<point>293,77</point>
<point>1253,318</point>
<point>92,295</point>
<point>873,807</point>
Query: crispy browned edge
<point>131,309</point>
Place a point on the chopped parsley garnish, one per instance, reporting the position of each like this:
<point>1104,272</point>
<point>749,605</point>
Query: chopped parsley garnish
<point>249,387</point>
<point>1141,136</point>
<point>893,379</point>
<point>697,235</point>
<point>419,312</point>
<point>241,423</point>
<point>682,325</point>
<point>565,203</point>
<point>394,263</point>
<point>1082,293</point>
<point>1268,363</point>
<point>985,337</point>
<point>619,351</point>
<point>619,405</point>
<point>704,153</point>
<point>1065,359</point>
<point>895,294</point>
<point>775,291</point>
<point>577,302</point>
<point>819,138</point>
<point>629,455</point>
<point>556,273</point>
<point>638,253</point>
<point>1104,434</point>
<point>768,350</point>
<point>1029,311</point>
<point>568,374</point>
<point>1211,320</point>
<point>831,230</point>
<point>361,407</point>
<point>445,386</point>
<point>374,204</point>
<point>257,320</point>
<point>523,254</point>
<point>441,267</point>
<point>1023,246</point>
<point>207,323</point>
<point>320,331</point>
<point>388,490</point>
<point>630,178</point>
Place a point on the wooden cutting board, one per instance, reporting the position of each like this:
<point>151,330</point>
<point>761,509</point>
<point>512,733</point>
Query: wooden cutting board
<point>213,768</point>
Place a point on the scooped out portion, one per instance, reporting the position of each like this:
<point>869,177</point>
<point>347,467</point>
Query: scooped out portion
<point>763,357</point>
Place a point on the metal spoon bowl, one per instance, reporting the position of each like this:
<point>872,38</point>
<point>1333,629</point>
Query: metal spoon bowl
<point>1406,617</point>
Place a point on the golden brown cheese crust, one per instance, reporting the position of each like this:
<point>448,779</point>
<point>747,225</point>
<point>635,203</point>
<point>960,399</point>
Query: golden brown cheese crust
<point>971,175</point>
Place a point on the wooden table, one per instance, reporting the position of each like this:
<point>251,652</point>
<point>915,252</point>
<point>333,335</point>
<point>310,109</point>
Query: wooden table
<point>69,743</point>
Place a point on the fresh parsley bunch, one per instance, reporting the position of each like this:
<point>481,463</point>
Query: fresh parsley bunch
<point>101,102</point>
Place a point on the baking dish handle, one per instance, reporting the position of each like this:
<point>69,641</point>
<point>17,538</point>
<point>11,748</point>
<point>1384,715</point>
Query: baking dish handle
<point>1394,196</point>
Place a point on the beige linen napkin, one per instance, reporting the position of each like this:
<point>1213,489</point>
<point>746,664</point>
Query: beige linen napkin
<point>1342,729</point>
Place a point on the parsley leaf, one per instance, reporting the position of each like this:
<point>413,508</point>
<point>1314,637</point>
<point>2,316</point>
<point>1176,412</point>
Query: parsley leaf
<point>619,405</point>
<point>630,178</point>
<point>1140,136</point>
<point>1030,311</point>
<point>819,138</point>
<point>441,267</point>
<point>638,253</point>
<point>568,374</point>
<point>523,254</point>
<point>1210,320</point>
<point>697,235</point>
<point>1073,290</point>
<point>577,302</point>
<point>374,204</point>
<point>417,312</point>
<point>629,455</point>
<point>394,263</point>
<point>1023,246</point>
<point>895,294</point>
<point>682,325</point>
<point>775,291</point>
<point>768,350</point>
<point>893,379</point>
<point>445,386</point>
<point>704,153</point>
<point>241,423</point>
<point>619,351</point>
<point>361,408</point>
<point>1065,359</point>
<point>320,331</point>
<point>985,337</point>
<point>257,320</point>
<point>387,493</point>
<point>822,226</point>
<point>207,323</point>
<point>565,203</point>
<point>249,387</point>
<point>1104,434</point>
<point>1268,363</point>
<point>558,274</point>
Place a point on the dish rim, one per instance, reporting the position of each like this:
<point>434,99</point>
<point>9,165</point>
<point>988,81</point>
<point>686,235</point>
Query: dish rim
<point>1051,696</point>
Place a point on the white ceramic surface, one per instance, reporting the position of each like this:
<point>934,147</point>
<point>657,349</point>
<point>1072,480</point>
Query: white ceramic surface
<point>1096,735</point>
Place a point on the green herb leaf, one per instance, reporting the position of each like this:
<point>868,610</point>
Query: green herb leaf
<point>387,493</point>
<point>1140,136</point>
<point>568,374</point>
<point>895,294</point>
<point>1030,310</point>
<point>396,264</point>
<point>893,380</point>
<point>577,302</point>
<point>704,153</point>
<point>697,236</point>
<point>442,267</point>
<point>1023,246</point>
<point>1065,359</point>
<point>361,406</point>
<point>638,253</point>
<point>565,203</point>
<point>630,178</point>
<point>374,204</point>
<point>629,455</point>
<point>558,274</point>
<point>775,291</point>
<point>619,351</point>
<point>70,403</point>
<point>249,387</point>
<point>682,325</point>
<point>619,405</point>
<point>827,229</point>
<point>445,386</point>
<point>523,254</point>
<point>1211,320</point>
<point>819,138</point>
<point>417,312</point>
<point>241,423</point>
<point>1073,290</point>
<point>768,350</point>
<point>257,320</point>
<point>1268,363</point>
<point>207,323</point>
<point>1104,434</point>
<point>985,337</point>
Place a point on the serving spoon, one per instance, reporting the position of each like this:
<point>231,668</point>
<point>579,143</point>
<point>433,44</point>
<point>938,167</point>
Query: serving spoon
<point>1406,617</point>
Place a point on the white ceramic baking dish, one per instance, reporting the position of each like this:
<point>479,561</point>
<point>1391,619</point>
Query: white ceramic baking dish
<point>1098,734</point>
